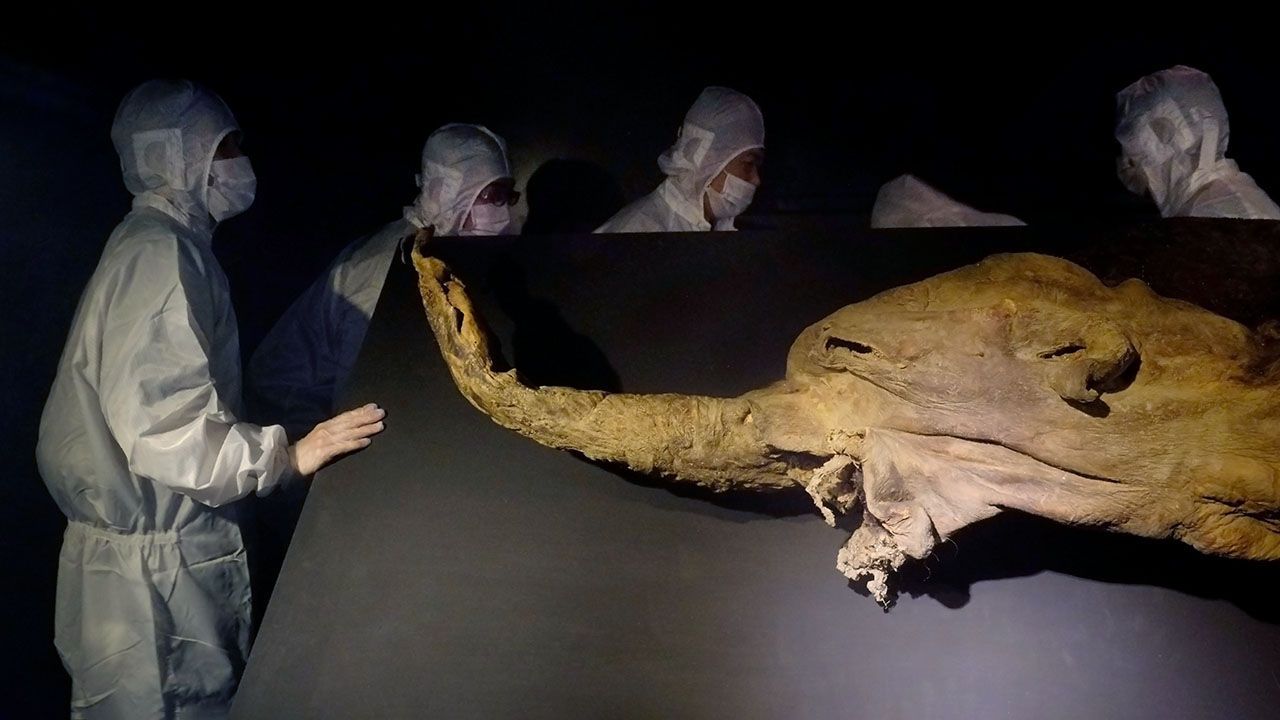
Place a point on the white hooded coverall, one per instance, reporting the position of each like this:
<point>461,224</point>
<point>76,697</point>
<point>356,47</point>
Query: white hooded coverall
<point>140,445</point>
<point>301,367</point>
<point>908,202</point>
<point>1173,133</point>
<point>721,125</point>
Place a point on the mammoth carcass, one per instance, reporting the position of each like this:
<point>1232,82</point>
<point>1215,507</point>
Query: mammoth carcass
<point>1020,382</point>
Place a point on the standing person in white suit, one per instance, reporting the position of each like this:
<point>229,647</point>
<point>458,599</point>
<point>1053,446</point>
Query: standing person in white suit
<point>713,170</point>
<point>140,442</point>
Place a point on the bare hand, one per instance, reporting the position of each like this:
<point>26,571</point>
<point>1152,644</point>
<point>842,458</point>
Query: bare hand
<point>336,437</point>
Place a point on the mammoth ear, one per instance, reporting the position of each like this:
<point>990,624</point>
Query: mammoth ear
<point>1084,355</point>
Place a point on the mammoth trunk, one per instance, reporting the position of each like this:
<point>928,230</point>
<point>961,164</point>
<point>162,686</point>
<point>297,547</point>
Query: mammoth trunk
<point>707,441</point>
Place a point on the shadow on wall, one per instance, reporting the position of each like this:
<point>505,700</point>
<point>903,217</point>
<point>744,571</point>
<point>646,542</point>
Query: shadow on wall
<point>1018,545</point>
<point>570,196</point>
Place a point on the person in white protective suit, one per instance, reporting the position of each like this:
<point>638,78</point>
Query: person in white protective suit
<point>140,443</point>
<point>301,367</point>
<point>908,202</point>
<point>1173,133</point>
<point>713,170</point>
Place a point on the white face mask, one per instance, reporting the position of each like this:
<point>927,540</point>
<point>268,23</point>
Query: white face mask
<point>733,200</point>
<point>1131,175</point>
<point>232,186</point>
<point>488,219</point>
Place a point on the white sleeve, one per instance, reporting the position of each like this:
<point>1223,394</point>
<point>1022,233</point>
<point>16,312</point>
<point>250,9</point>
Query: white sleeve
<point>160,400</point>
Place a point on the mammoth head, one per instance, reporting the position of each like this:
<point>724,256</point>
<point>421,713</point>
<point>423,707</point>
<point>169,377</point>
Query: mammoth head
<point>922,355</point>
<point>1021,382</point>
<point>984,338</point>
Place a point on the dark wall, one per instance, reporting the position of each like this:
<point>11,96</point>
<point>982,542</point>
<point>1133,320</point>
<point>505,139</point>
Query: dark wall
<point>60,195</point>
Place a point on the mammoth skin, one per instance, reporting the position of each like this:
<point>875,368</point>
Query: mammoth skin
<point>1020,382</point>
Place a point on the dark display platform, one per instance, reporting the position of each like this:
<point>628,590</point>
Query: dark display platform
<point>458,570</point>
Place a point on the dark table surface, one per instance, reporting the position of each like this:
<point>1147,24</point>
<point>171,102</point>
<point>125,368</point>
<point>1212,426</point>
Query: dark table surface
<point>458,570</point>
